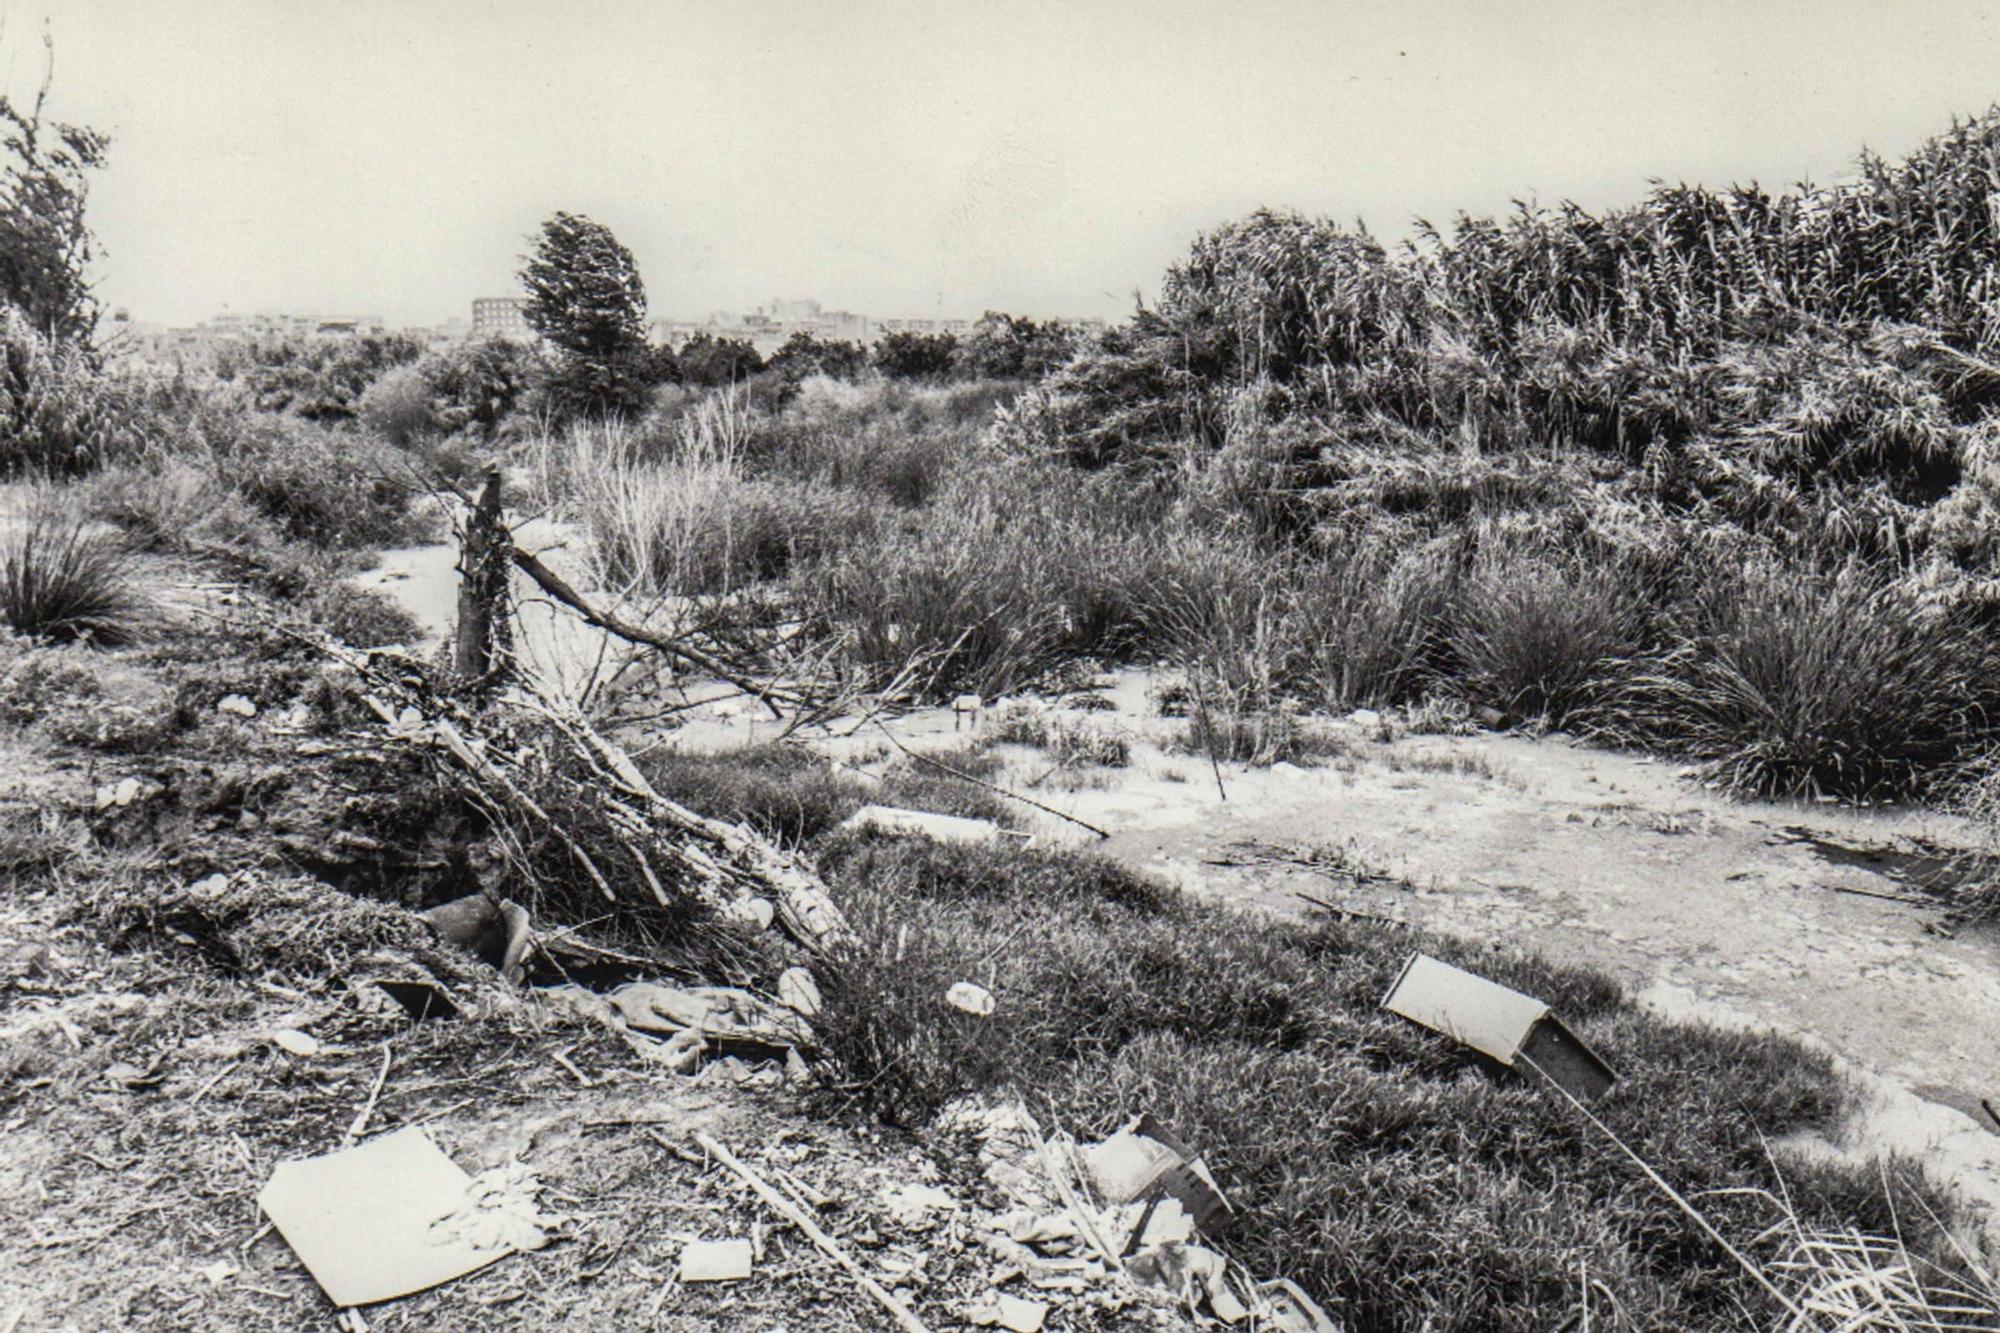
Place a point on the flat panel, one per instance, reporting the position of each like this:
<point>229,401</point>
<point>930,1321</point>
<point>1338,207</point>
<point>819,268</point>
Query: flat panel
<point>1482,1014</point>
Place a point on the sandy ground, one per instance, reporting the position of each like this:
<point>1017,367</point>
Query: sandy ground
<point>1789,916</point>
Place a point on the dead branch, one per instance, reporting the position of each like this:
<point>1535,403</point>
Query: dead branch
<point>555,586</point>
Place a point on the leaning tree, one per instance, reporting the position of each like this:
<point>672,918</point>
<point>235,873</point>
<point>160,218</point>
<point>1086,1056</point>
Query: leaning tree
<point>45,244</point>
<point>585,298</point>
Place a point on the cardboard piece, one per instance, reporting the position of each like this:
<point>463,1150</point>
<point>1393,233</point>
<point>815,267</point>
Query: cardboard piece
<point>941,828</point>
<point>1144,1161</point>
<point>716,1260</point>
<point>362,1220</point>
<point>1510,1028</point>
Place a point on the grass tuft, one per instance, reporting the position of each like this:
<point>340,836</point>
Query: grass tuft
<point>63,580</point>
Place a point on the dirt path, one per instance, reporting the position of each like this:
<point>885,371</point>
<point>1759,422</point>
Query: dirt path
<point>1753,914</point>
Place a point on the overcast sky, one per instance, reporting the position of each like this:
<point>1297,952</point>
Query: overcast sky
<point>918,159</point>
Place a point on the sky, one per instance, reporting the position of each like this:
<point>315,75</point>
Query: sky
<point>917,159</point>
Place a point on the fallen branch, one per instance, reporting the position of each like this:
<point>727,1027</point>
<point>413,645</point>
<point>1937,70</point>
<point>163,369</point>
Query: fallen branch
<point>994,787</point>
<point>792,1213</point>
<point>555,586</point>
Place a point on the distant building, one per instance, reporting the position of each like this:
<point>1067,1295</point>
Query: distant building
<point>501,317</point>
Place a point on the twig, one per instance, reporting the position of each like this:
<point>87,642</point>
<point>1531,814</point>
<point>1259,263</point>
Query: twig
<point>1693,1214</point>
<point>792,1213</point>
<point>367,1111</point>
<point>990,786</point>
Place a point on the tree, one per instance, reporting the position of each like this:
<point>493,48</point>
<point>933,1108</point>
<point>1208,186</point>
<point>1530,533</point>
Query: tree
<point>708,361</point>
<point>1003,347</point>
<point>805,354</point>
<point>45,244</point>
<point>586,299</point>
<point>909,356</point>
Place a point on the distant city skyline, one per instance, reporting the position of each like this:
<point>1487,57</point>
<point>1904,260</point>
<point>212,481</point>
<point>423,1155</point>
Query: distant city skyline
<point>915,158</point>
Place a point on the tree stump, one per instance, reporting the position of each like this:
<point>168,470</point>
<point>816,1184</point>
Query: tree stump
<point>485,561</point>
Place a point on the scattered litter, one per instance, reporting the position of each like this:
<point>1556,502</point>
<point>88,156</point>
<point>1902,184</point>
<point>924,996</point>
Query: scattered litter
<point>798,992</point>
<point>1502,1024</point>
<point>220,1272</point>
<point>1012,1312</point>
<point>1289,1310</point>
<point>120,793</point>
<point>792,1213</point>
<point>363,1220</point>
<point>294,1042</point>
<point>1143,1161</point>
<point>499,1211</point>
<point>940,828</point>
<point>722,1019</point>
<point>752,911</point>
<point>913,1204</point>
<point>237,705</point>
<point>716,1261</point>
<point>968,998</point>
<point>419,999</point>
<point>494,930</point>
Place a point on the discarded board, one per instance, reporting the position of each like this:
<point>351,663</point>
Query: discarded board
<point>941,828</point>
<point>363,1220</point>
<point>1510,1028</point>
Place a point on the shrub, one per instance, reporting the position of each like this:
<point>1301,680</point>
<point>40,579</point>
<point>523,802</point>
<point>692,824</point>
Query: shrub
<point>1003,578</point>
<point>59,414</point>
<point>1785,680</point>
<point>63,580</point>
<point>914,356</point>
<point>782,791</point>
<point>398,406</point>
<point>1533,634</point>
<point>321,486</point>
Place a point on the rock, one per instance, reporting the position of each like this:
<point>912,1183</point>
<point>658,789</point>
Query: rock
<point>237,705</point>
<point>970,999</point>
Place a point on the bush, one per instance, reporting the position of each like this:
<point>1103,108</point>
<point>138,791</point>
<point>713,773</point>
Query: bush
<point>676,515</point>
<point>1006,576</point>
<point>62,580</point>
<point>59,414</point>
<point>1533,634</point>
<point>1785,680</point>
<point>784,792</point>
<point>398,407</point>
<point>915,356</point>
<point>325,487</point>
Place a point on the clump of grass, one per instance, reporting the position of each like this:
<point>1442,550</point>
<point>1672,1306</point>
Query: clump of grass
<point>782,791</point>
<point>1070,740</point>
<point>1377,1164</point>
<point>1533,635</point>
<point>1230,731</point>
<point>1784,681</point>
<point>63,580</point>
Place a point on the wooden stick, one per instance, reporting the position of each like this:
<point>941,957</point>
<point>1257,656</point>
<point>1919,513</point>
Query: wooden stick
<point>360,1125</point>
<point>792,1213</point>
<point>553,584</point>
<point>990,786</point>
